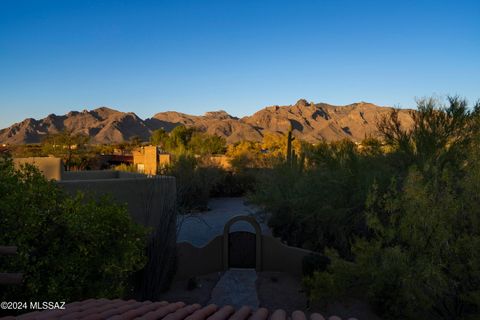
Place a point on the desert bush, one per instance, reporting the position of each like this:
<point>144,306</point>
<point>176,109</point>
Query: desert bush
<point>419,258</point>
<point>314,262</point>
<point>234,183</point>
<point>198,180</point>
<point>321,204</point>
<point>422,260</point>
<point>194,183</point>
<point>69,248</point>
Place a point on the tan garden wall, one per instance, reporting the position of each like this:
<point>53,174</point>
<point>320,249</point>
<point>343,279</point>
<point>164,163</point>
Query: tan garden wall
<point>51,167</point>
<point>276,256</point>
<point>99,175</point>
<point>193,261</point>
<point>151,202</point>
<point>146,197</point>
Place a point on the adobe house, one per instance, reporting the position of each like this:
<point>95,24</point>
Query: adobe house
<point>149,159</point>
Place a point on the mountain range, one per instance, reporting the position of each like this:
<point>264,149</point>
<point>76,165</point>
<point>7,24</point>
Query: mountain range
<point>309,121</point>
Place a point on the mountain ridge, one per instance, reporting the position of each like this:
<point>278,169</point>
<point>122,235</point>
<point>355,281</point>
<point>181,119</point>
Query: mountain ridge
<point>309,121</point>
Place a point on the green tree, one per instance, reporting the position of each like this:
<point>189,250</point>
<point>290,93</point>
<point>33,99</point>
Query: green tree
<point>180,137</point>
<point>205,144</point>
<point>159,138</point>
<point>71,147</point>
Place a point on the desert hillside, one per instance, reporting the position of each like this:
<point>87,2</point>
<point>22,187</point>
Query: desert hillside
<point>309,121</point>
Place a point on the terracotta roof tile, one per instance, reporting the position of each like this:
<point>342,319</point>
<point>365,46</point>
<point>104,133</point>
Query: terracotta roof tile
<point>28,316</point>
<point>298,315</point>
<point>95,314</point>
<point>162,312</point>
<point>182,313</point>
<point>222,314</point>
<point>260,314</point>
<point>203,313</point>
<point>100,309</point>
<point>279,315</point>
<point>242,314</point>
<point>316,316</point>
<point>141,310</point>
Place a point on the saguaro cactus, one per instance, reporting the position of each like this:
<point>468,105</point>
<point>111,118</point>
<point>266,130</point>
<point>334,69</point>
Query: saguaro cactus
<point>290,151</point>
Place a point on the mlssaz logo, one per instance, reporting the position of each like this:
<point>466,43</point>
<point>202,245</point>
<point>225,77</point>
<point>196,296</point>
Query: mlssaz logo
<point>37,305</point>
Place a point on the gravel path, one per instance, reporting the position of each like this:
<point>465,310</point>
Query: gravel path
<point>236,288</point>
<point>200,228</point>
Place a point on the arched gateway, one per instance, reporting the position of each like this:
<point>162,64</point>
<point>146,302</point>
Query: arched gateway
<point>227,243</point>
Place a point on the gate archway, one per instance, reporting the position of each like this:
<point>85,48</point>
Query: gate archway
<point>258,241</point>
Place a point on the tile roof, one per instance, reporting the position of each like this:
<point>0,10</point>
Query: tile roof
<point>96,309</point>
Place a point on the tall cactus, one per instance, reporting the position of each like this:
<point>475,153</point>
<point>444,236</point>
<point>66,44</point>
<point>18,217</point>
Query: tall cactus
<point>293,159</point>
<point>290,151</point>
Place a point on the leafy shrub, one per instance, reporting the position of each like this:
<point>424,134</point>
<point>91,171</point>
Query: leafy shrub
<point>69,248</point>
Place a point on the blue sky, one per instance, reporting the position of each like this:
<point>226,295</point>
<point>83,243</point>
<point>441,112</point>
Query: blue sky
<point>196,56</point>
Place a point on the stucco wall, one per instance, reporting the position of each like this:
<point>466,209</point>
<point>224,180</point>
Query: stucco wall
<point>150,202</point>
<point>100,175</point>
<point>89,175</point>
<point>146,198</point>
<point>51,167</point>
<point>276,256</point>
<point>193,261</point>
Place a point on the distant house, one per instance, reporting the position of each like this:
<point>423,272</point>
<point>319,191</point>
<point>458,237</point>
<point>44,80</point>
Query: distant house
<point>112,160</point>
<point>149,159</point>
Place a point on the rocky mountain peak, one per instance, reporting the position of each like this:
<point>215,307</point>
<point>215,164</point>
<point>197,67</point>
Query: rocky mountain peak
<point>302,103</point>
<point>220,114</point>
<point>311,122</point>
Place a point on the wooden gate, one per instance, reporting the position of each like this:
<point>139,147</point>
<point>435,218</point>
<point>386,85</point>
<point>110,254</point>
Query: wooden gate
<point>245,248</point>
<point>242,250</point>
